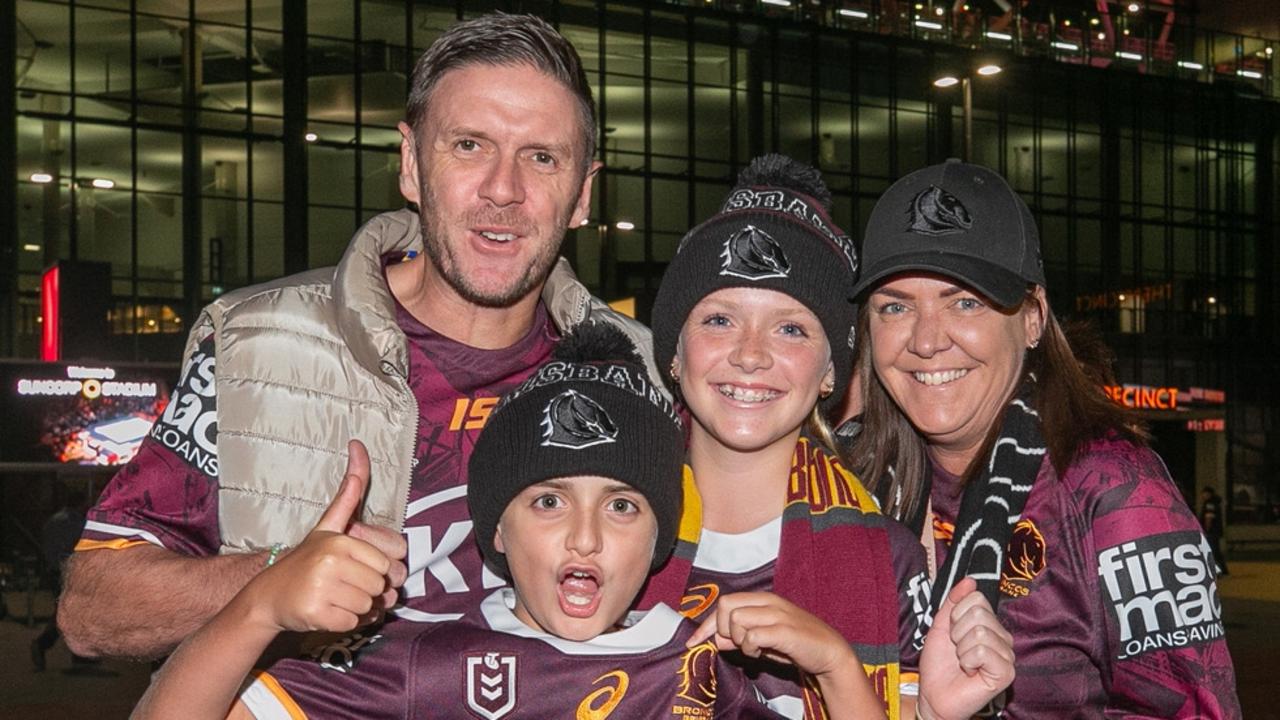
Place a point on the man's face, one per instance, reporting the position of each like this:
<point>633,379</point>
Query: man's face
<point>496,169</point>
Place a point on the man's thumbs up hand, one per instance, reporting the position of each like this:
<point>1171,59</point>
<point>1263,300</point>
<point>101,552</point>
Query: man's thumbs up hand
<point>345,505</point>
<point>333,581</point>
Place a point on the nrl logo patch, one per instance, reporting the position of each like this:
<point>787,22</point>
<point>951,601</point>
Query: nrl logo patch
<point>937,212</point>
<point>491,684</point>
<point>752,254</point>
<point>574,421</point>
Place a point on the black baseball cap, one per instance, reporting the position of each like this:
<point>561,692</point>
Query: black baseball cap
<point>959,220</point>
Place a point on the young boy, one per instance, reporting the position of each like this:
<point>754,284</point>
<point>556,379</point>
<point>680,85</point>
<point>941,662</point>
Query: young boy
<point>575,495</point>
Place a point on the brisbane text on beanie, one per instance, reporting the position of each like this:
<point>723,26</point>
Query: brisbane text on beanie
<point>773,232</point>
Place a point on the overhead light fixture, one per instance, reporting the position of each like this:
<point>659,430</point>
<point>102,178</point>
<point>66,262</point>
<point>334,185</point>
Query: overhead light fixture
<point>1213,300</point>
<point>41,178</point>
<point>1066,23</point>
<point>1134,7</point>
<point>928,25</point>
<point>1190,65</point>
<point>998,36</point>
<point>1121,297</point>
<point>939,11</point>
<point>1251,74</point>
<point>1102,36</point>
<point>1066,46</point>
<point>779,3</point>
<point>310,137</point>
<point>1130,56</point>
<point>846,12</point>
<point>103,183</point>
<point>946,81</point>
<point>989,70</point>
<point>625,225</point>
<point>31,247</point>
<point>1094,21</point>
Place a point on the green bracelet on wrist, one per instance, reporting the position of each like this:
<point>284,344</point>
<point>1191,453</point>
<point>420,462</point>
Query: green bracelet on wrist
<point>274,554</point>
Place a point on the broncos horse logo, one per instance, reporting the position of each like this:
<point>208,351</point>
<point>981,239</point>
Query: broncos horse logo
<point>752,254</point>
<point>573,420</point>
<point>937,212</point>
<point>698,675</point>
<point>1026,556</point>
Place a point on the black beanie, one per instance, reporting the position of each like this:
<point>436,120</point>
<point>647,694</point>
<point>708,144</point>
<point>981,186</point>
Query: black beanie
<point>773,232</point>
<point>590,410</point>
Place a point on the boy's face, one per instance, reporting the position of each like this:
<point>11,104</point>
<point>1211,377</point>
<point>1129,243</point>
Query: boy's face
<point>579,549</point>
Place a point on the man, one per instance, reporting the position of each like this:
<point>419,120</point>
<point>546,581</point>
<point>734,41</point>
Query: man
<point>405,350</point>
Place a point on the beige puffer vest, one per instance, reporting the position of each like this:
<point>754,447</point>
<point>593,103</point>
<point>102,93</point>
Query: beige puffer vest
<point>310,361</point>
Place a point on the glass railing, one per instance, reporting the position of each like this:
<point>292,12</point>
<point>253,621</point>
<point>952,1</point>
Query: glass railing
<point>1143,36</point>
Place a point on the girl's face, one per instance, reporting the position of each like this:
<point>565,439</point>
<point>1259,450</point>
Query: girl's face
<point>751,363</point>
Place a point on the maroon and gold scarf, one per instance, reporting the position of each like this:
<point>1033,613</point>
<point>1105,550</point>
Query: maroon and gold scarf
<point>834,561</point>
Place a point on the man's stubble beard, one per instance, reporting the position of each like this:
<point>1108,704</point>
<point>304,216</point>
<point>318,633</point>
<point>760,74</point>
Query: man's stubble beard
<point>441,257</point>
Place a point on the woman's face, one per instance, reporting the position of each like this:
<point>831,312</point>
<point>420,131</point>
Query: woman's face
<point>751,364</point>
<point>949,358</point>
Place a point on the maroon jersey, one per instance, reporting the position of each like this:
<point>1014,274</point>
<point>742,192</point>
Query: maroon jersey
<point>168,495</point>
<point>745,563</point>
<point>1110,592</point>
<point>490,665</point>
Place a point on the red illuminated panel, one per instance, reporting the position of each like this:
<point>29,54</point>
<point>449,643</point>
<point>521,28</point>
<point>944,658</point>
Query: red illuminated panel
<point>50,339</point>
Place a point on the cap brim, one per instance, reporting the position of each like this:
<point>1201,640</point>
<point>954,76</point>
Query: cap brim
<point>998,284</point>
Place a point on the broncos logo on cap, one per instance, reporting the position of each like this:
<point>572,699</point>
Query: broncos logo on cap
<point>573,420</point>
<point>937,212</point>
<point>752,254</point>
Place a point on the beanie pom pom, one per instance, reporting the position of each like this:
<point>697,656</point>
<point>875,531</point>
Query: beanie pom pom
<point>597,342</point>
<point>775,170</point>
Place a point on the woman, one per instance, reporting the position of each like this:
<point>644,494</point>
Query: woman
<point>982,425</point>
<point>753,321</point>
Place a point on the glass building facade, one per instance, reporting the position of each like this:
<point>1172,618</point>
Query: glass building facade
<point>202,146</point>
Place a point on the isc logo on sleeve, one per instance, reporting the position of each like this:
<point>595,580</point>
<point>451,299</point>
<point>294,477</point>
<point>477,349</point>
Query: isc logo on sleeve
<point>1162,592</point>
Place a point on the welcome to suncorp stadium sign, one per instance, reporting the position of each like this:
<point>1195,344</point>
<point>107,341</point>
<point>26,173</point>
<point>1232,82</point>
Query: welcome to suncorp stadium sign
<point>89,382</point>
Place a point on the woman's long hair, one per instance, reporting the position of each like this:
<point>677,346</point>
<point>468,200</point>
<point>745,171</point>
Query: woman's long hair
<point>890,457</point>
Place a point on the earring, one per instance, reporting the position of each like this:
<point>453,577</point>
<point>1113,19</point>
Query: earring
<point>675,372</point>
<point>827,389</point>
<point>1033,344</point>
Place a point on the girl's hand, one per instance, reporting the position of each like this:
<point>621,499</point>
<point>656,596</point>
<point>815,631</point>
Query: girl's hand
<point>765,625</point>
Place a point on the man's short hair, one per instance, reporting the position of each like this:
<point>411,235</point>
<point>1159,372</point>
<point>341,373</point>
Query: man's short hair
<point>501,39</point>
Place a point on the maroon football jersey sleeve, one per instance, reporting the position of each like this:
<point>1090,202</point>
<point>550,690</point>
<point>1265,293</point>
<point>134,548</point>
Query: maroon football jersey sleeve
<point>492,666</point>
<point>168,494</point>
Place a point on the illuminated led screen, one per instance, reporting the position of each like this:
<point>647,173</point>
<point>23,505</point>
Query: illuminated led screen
<point>79,413</point>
